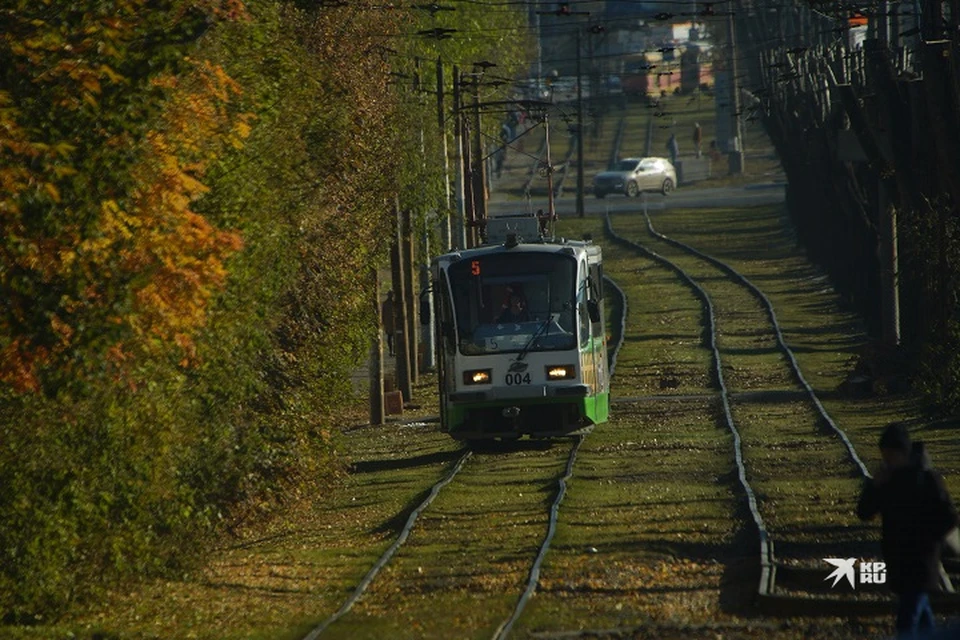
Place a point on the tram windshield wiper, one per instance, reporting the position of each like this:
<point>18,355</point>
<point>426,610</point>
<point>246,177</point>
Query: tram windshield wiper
<point>533,338</point>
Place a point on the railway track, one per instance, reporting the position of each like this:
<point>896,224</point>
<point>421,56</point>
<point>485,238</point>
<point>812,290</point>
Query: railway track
<point>533,455</point>
<point>782,493</point>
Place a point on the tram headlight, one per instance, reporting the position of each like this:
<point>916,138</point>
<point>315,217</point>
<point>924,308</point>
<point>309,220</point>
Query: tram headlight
<point>477,376</point>
<point>561,372</point>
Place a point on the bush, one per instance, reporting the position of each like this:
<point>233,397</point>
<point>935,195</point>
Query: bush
<point>194,200</point>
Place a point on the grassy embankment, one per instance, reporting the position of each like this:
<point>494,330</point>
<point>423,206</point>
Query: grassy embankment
<point>649,531</point>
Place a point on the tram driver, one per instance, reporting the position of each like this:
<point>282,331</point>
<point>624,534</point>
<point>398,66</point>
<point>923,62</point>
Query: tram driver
<point>516,310</point>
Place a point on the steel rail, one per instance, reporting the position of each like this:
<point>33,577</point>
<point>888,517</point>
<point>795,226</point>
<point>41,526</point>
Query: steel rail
<point>779,603</point>
<point>767,558</point>
<point>533,579</point>
<point>389,553</point>
<point>781,342</point>
<point>534,575</point>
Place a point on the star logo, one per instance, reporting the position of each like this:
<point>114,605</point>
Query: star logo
<point>844,569</point>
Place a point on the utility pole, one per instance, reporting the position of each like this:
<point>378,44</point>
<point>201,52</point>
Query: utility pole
<point>735,155</point>
<point>401,345</point>
<point>551,210</point>
<point>410,268</point>
<point>409,297</point>
<point>883,23</point>
<point>466,158</point>
<point>580,187</point>
<point>446,236</point>
<point>889,268</point>
<point>478,168</point>
<point>429,359</point>
<point>459,240</point>
<point>376,357</point>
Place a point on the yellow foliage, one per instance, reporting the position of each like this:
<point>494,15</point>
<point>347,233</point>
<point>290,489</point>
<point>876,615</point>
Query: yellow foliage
<point>52,190</point>
<point>179,248</point>
<point>170,259</point>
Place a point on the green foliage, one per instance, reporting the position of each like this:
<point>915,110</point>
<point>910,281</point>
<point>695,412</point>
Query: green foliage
<point>195,196</point>
<point>930,285</point>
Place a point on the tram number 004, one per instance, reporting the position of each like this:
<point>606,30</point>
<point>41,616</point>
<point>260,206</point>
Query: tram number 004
<point>517,378</point>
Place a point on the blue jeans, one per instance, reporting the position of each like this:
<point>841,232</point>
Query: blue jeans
<point>914,615</point>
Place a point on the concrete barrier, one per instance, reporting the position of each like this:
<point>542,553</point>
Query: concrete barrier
<point>692,169</point>
<point>393,403</point>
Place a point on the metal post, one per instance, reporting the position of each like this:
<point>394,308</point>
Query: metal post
<point>478,168</point>
<point>889,267</point>
<point>446,232</point>
<point>580,207</point>
<point>466,158</point>
<point>409,299</point>
<point>429,360</point>
<point>735,155</point>
<point>458,239</point>
<point>400,344</point>
<point>376,357</point>
<point>551,210</point>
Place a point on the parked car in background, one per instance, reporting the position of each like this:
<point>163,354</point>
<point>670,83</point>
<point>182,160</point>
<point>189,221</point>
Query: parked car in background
<point>631,176</point>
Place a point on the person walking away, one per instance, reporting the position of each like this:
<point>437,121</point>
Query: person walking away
<point>674,148</point>
<point>388,320</point>
<point>916,513</point>
<point>697,138</point>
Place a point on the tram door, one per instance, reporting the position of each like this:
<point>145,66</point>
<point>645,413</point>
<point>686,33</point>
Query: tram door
<point>445,332</point>
<point>598,330</point>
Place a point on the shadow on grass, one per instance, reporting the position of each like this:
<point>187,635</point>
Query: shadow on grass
<point>396,464</point>
<point>396,523</point>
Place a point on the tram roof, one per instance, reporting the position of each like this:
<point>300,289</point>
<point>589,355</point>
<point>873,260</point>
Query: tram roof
<point>521,233</point>
<point>556,245</point>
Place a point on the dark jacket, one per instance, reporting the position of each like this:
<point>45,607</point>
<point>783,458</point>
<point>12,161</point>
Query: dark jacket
<point>916,511</point>
<point>387,315</point>
<point>508,316</point>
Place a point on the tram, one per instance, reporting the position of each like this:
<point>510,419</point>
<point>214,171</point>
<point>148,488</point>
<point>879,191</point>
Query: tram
<point>521,346</point>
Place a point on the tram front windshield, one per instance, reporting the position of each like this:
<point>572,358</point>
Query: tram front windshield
<point>513,302</point>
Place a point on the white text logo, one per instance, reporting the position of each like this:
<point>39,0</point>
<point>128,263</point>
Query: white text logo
<point>870,572</point>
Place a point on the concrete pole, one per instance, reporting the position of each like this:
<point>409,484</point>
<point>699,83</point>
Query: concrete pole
<point>401,346</point>
<point>889,271</point>
<point>735,155</point>
<point>458,238</point>
<point>376,357</point>
<point>466,167</point>
<point>580,187</point>
<point>446,233</point>
<point>409,293</point>
<point>551,209</point>
<point>479,169</point>
<point>429,360</point>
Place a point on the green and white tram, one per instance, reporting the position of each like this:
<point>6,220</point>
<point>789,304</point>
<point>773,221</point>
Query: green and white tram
<point>520,337</point>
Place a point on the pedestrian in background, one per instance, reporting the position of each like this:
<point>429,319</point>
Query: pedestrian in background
<point>916,513</point>
<point>697,138</point>
<point>674,148</point>
<point>388,320</point>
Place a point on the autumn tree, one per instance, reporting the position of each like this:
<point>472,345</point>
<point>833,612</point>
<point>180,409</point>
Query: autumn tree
<point>190,194</point>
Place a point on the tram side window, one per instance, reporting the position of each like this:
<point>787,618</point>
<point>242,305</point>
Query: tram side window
<point>596,281</point>
<point>596,295</point>
<point>446,315</point>
<point>583,312</point>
